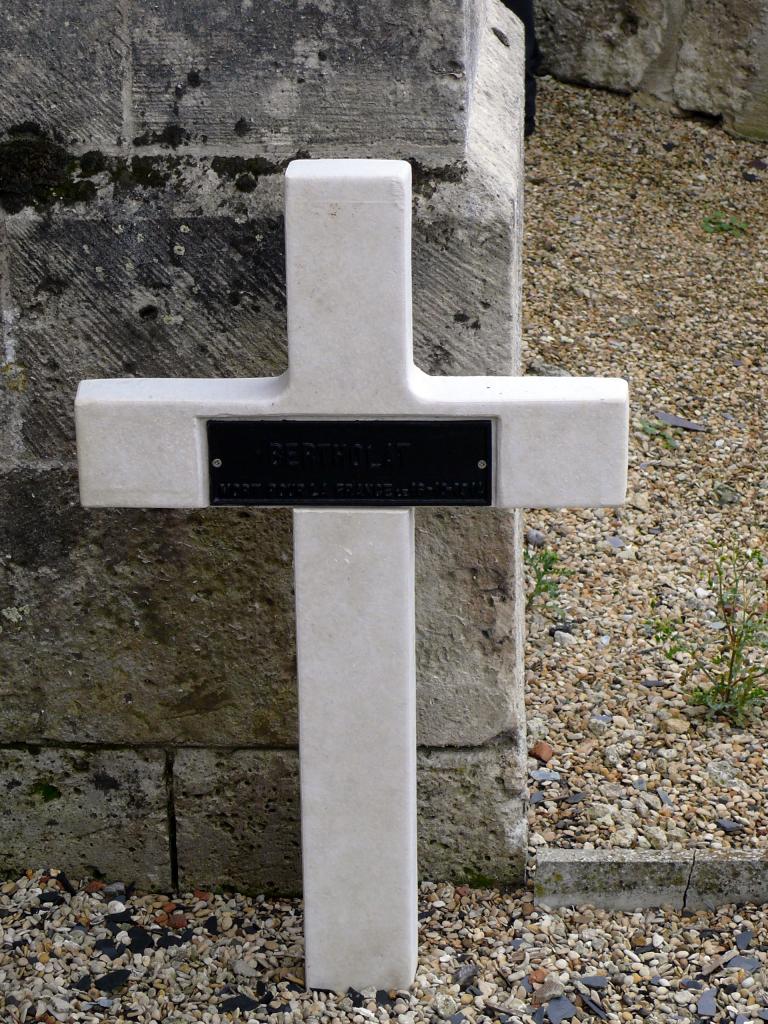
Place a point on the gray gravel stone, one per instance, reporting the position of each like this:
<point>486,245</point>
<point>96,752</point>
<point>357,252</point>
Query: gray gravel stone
<point>594,981</point>
<point>564,639</point>
<point>744,963</point>
<point>560,1009</point>
<point>729,826</point>
<point>707,1003</point>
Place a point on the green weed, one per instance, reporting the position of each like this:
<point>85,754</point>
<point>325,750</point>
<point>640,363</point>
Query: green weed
<point>662,432</point>
<point>544,575</point>
<point>732,666</point>
<point>721,223</point>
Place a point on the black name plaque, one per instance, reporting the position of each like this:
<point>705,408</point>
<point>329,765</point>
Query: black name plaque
<point>350,462</point>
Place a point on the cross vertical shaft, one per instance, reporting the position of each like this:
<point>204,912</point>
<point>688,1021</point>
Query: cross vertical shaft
<point>348,277</point>
<point>357,743</point>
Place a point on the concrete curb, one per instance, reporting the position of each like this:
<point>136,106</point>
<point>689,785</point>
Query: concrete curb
<point>636,879</point>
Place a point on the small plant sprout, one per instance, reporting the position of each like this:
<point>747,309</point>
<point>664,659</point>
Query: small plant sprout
<point>731,669</point>
<point>721,223</point>
<point>665,434</point>
<point>544,575</point>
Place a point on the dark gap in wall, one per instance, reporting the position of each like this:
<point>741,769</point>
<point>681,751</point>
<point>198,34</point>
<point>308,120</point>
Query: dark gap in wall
<point>171,806</point>
<point>34,746</point>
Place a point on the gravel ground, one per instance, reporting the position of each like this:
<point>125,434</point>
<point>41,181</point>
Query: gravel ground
<point>621,279</point>
<point>85,955</point>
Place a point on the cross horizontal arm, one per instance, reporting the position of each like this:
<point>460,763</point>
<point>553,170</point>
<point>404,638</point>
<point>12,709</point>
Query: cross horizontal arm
<point>558,441</point>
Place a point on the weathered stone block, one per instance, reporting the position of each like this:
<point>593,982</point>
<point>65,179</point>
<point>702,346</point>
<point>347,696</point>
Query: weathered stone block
<point>616,879</point>
<point>733,877</point>
<point>106,293</point>
<point>286,77</point>
<point>177,629</point>
<point>470,642</point>
<point>708,56</point>
<point>722,66</point>
<point>87,812</point>
<point>634,879</point>
<point>120,293</point>
<point>61,65</point>
<point>127,626</point>
<point>237,818</point>
<point>472,822</point>
<point>154,292</point>
<point>466,312</point>
<point>610,43</point>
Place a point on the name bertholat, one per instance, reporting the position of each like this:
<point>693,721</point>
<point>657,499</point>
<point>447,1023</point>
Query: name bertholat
<point>350,462</point>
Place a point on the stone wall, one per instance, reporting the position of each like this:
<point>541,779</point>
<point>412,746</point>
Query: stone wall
<point>147,677</point>
<point>703,56</point>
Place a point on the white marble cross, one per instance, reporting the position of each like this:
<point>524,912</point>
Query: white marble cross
<point>552,442</point>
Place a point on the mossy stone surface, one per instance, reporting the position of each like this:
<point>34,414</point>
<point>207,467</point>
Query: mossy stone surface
<point>618,879</point>
<point>91,813</point>
<point>238,818</point>
<point>143,626</point>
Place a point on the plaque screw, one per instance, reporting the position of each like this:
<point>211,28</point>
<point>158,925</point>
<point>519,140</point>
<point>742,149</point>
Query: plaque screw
<point>481,464</point>
<point>216,463</point>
